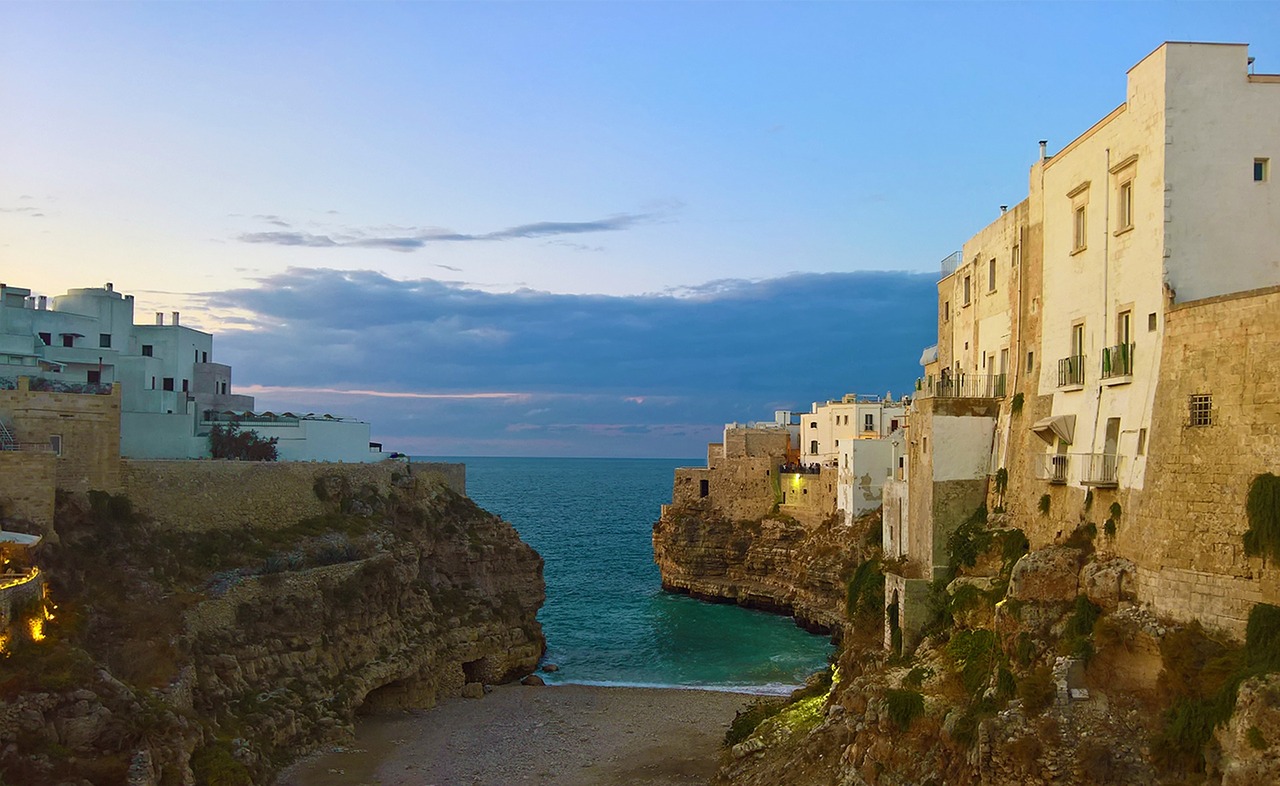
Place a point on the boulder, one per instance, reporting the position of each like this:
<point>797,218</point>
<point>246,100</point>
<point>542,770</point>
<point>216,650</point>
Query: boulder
<point>1108,583</point>
<point>473,690</point>
<point>550,668</point>
<point>1047,575</point>
<point>533,679</point>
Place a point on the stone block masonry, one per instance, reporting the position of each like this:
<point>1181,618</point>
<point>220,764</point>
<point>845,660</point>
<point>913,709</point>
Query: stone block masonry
<point>86,427</point>
<point>27,484</point>
<point>204,495</point>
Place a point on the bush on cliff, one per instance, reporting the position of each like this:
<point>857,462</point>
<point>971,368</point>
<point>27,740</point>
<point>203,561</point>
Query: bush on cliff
<point>229,442</point>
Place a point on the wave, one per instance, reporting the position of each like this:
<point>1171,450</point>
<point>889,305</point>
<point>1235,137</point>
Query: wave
<point>766,689</point>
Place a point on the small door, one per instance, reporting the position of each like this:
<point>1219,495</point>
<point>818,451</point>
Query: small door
<point>1113,436</point>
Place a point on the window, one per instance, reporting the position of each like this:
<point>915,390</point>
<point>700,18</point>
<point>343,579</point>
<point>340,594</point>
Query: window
<point>185,386</point>
<point>946,311</point>
<point>813,446</point>
<point>813,424</point>
<point>1077,339</point>
<point>869,424</point>
<point>1015,259</point>
<point>1031,360</point>
<point>1123,324</point>
<point>966,290</point>
<point>1124,205</point>
<point>1200,409</point>
<point>1078,230</point>
<point>1142,442</point>
<point>68,340</point>
<point>104,340</point>
<point>991,275</point>
<point>224,388</point>
<point>168,383</point>
<point>47,338</point>
<point>93,376</point>
<point>1261,170</point>
<point>148,350</point>
<point>204,357</point>
<point>55,444</point>
<point>893,426</point>
<point>703,489</point>
<point>153,383</point>
<point>1151,322</point>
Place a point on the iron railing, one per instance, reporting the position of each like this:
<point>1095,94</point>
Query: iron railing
<point>1117,361</point>
<point>1053,467</point>
<point>1100,469</point>
<point>1071,371</point>
<point>967,386</point>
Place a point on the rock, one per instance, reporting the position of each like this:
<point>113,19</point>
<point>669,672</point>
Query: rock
<point>473,690</point>
<point>747,747</point>
<point>533,679</point>
<point>1109,583</point>
<point>550,668</point>
<point>1047,575</point>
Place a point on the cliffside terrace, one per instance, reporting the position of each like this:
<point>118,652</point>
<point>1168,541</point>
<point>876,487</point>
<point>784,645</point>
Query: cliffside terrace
<point>965,386</point>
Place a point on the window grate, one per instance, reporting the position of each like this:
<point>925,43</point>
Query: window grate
<point>1200,409</point>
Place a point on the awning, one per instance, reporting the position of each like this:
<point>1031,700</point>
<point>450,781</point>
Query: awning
<point>1056,427</point>
<point>929,355</point>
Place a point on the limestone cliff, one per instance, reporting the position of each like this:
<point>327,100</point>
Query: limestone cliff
<point>776,563</point>
<point>218,655</point>
<point>1037,668</point>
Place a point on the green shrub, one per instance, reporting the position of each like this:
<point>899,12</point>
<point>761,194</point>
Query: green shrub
<point>213,765</point>
<point>916,677</point>
<point>746,721</point>
<point>229,442</point>
<point>864,592</point>
<point>1109,528</point>
<point>1079,628</point>
<point>904,706</point>
<point>1255,738</point>
<point>1015,404</point>
<point>1088,499</point>
<point>1002,480</point>
<point>1115,511</point>
<point>976,654</point>
<point>1045,501</point>
<point>967,541</point>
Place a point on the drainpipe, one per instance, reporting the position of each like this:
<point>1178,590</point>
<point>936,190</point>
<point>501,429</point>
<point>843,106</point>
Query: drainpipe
<point>1106,309</point>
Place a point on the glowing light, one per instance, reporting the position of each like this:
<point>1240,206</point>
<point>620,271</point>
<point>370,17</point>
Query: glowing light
<point>15,580</point>
<point>4,643</point>
<point>36,626</point>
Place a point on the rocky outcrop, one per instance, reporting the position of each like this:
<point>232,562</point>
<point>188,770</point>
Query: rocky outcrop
<point>401,594</point>
<point>776,563</point>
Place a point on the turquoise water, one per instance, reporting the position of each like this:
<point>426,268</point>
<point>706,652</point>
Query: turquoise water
<point>606,619</point>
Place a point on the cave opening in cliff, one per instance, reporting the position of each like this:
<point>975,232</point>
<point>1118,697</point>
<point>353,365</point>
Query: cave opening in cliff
<point>478,670</point>
<point>384,698</point>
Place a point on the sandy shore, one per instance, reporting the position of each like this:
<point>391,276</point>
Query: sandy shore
<point>568,735</point>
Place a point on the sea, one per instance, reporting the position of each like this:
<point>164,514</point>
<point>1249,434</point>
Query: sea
<point>606,618</point>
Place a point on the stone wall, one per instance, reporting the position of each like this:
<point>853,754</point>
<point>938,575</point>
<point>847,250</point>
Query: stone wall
<point>740,488</point>
<point>202,495</point>
<point>17,595</point>
<point>27,484</point>
<point>1185,529</point>
<point>809,498</point>
<point>89,427</point>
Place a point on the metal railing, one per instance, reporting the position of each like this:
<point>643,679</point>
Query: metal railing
<point>949,264</point>
<point>1100,469</point>
<point>967,386</point>
<point>1053,467</point>
<point>1071,371</point>
<point>1117,361</point>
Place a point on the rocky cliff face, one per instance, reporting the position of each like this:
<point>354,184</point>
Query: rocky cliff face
<point>1037,668</point>
<point>775,563</point>
<point>218,656</point>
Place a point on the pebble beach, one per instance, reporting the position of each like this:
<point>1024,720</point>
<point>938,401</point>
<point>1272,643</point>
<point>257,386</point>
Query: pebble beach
<point>562,735</point>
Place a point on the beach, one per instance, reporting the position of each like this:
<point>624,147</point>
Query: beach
<point>564,735</point>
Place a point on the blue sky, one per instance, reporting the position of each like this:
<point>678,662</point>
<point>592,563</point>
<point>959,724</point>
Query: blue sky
<point>536,228</point>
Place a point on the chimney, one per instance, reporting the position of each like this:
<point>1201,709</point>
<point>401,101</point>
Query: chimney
<point>1044,145</point>
<point>42,303</point>
<point>1004,209</point>
<point>110,287</point>
<point>175,317</point>
<point>159,317</point>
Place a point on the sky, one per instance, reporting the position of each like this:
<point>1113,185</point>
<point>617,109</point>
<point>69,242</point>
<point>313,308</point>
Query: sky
<point>563,229</point>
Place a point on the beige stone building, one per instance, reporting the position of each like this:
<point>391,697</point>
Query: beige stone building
<point>1115,329</point>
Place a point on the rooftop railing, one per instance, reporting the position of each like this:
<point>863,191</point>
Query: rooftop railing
<point>949,264</point>
<point>967,386</point>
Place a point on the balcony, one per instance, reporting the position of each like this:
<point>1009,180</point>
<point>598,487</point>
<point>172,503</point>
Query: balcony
<point>1053,468</point>
<point>967,386</point>
<point>1071,371</point>
<point>1117,363</point>
<point>1100,470</point>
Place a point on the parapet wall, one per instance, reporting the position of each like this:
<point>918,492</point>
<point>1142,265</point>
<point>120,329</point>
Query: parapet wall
<point>204,495</point>
<point>87,425</point>
<point>27,483</point>
<point>741,488</point>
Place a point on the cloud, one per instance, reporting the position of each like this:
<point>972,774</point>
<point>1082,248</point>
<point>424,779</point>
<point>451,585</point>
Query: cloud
<point>433,362</point>
<point>416,238</point>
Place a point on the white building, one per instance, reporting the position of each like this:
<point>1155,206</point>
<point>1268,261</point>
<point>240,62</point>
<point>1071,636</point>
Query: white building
<point>171,390</point>
<point>829,425</point>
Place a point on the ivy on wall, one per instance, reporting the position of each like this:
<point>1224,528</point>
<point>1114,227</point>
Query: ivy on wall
<point>1262,507</point>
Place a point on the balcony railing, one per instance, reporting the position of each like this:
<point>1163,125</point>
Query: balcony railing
<point>949,264</point>
<point>1117,361</point>
<point>1071,371</point>
<point>1100,469</point>
<point>1053,467</point>
<point>967,386</point>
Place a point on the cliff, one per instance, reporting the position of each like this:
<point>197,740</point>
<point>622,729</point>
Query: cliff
<point>775,563</point>
<point>217,654</point>
<point>1036,668</point>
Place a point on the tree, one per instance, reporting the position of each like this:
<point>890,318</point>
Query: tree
<point>229,442</point>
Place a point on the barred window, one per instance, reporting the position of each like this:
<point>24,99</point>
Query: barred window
<point>1200,409</point>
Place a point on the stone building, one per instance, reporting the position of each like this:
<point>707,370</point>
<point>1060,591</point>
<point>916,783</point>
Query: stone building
<point>1115,329</point>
